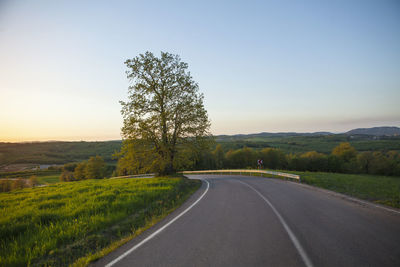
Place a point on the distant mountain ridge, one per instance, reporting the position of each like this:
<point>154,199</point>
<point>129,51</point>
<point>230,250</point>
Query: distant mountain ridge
<point>280,134</point>
<point>377,131</point>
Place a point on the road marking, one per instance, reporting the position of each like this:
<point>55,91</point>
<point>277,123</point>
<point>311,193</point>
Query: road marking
<point>159,230</point>
<point>346,197</point>
<point>293,238</point>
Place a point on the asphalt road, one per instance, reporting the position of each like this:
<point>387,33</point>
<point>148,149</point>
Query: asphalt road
<point>253,221</point>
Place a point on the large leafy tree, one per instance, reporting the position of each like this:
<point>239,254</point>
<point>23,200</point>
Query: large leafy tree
<point>165,122</point>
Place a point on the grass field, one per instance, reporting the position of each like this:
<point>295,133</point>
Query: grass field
<point>379,189</point>
<point>49,179</point>
<point>27,174</point>
<point>56,152</point>
<point>61,223</point>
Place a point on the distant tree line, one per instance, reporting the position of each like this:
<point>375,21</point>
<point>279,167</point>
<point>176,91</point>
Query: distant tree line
<point>94,168</point>
<point>343,159</point>
<point>10,184</point>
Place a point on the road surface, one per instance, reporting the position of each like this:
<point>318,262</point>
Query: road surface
<point>254,221</point>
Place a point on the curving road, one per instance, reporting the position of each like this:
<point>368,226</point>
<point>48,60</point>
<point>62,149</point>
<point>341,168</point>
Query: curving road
<point>253,221</point>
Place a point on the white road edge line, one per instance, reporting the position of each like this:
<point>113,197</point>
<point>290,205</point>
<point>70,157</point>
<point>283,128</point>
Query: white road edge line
<point>293,238</point>
<point>348,198</point>
<point>159,230</point>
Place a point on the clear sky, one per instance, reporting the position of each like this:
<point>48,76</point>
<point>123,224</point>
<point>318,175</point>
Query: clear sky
<point>263,66</point>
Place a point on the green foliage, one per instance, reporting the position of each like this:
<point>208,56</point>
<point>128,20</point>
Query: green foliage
<point>79,172</point>
<point>69,167</point>
<point>33,181</point>
<point>18,184</point>
<point>219,156</point>
<point>67,176</point>
<point>273,158</point>
<point>241,158</point>
<point>344,159</point>
<point>95,168</point>
<point>133,160</point>
<point>345,152</point>
<point>64,152</point>
<point>5,185</point>
<point>164,117</point>
<point>57,224</point>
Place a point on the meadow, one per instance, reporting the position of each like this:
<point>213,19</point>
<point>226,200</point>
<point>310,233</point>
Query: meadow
<point>49,179</point>
<point>56,152</point>
<point>16,180</point>
<point>379,189</point>
<point>65,223</point>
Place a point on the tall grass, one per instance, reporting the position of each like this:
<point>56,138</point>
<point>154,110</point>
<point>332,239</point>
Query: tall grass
<point>57,224</point>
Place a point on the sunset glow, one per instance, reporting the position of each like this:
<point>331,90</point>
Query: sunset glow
<point>265,67</point>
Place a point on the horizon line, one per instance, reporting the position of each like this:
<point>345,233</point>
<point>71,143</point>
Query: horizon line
<point>115,140</point>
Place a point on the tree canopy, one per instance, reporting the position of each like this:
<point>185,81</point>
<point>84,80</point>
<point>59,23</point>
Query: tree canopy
<point>164,117</point>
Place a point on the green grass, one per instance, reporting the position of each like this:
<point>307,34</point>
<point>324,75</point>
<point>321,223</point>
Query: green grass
<point>65,222</point>
<point>49,179</point>
<point>56,152</point>
<point>379,189</point>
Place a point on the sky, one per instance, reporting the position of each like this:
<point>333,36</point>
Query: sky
<point>263,66</point>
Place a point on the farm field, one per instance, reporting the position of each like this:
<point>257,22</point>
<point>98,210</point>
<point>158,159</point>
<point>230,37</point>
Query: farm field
<point>54,152</point>
<point>61,223</point>
<point>49,179</point>
<point>379,189</point>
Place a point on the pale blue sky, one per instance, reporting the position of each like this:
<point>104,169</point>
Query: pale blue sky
<point>263,66</point>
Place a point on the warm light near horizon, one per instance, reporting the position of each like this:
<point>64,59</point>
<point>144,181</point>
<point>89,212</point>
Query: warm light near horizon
<point>264,67</point>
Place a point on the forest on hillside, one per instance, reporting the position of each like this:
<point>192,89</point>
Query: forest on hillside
<point>65,152</point>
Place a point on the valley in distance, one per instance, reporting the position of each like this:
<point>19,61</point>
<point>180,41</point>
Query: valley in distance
<point>32,155</point>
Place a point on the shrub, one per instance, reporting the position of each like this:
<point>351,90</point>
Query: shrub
<point>33,181</point>
<point>67,176</point>
<point>18,184</point>
<point>5,185</point>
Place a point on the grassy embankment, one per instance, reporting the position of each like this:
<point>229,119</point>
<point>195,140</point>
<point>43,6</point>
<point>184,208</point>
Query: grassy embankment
<point>77,222</point>
<point>379,189</point>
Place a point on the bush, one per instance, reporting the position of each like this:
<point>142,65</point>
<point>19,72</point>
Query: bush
<point>79,172</point>
<point>5,185</point>
<point>18,184</point>
<point>33,181</point>
<point>95,168</point>
<point>67,176</point>
<point>69,167</point>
